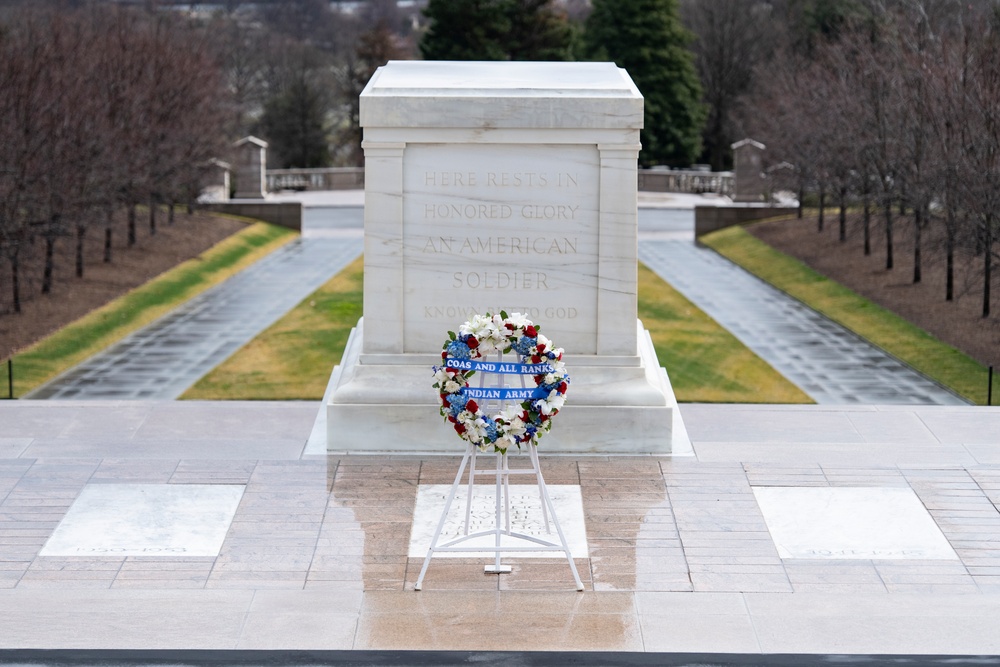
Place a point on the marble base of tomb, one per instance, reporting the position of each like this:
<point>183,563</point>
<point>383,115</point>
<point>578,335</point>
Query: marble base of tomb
<point>615,405</point>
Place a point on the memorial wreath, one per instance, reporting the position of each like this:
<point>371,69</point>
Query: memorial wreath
<point>464,353</point>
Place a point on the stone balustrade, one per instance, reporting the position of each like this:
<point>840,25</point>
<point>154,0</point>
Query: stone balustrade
<point>689,181</point>
<point>333,178</point>
<point>353,178</point>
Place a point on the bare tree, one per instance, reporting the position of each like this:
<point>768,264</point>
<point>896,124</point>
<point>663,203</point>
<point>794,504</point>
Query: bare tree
<point>375,48</point>
<point>981,166</point>
<point>731,40</point>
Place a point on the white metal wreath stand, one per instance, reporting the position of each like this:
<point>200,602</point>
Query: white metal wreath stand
<point>501,526</point>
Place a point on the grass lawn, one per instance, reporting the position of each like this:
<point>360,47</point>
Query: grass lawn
<point>293,358</point>
<point>112,322</point>
<point>884,329</point>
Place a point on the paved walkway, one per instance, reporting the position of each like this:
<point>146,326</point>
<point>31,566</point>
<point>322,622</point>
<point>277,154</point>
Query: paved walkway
<point>829,363</point>
<point>165,358</point>
<point>682,553</point>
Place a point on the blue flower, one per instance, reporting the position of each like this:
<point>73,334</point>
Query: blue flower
<point>524,345</point>
<point>459,350</point>
<point>491,430</point>
<point>457,403</point>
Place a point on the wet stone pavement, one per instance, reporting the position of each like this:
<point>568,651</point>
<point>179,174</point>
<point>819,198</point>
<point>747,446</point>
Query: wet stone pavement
<point>828,362</point>
<point>165,358</point>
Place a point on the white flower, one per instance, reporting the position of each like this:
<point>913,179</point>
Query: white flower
<point>519,320</point>
<point>506,441</point>
<point>475,428</point>
<point>552,404</point>
<point>451,387</point>
<point>515,426</point>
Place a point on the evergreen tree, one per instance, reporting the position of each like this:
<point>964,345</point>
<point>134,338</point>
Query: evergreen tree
<point>537,31</point>
<point>495,30</point>
<point>465,30</point>
<point>646,38</point>
<point>294,123</point>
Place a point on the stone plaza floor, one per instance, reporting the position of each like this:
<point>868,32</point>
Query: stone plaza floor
<point>203,525</point>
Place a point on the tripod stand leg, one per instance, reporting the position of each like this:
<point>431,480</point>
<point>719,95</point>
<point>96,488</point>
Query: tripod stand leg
<point>501,486</point>
<point>444,517</point>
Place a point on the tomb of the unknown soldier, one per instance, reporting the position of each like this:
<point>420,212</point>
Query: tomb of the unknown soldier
<point>501,186</point>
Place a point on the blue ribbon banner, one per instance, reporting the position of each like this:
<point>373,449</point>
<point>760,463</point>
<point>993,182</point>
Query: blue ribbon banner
<point>505,394</point>
<point>499,367</point>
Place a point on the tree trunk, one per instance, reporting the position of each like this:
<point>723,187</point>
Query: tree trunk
<point>949,289</point>
<point>843,214</point>
<point>190,208</point>
<point>917,225</point>
<point>109,218</point>
<point>81,232</point>
<point>170,213</point>
<point>822,202</point>
<point>131,225</point>
<point>987,265</point>
<point>888,235</point>
<point>15,282</point>
<point>152,216</point>
<point>50,244</point>
<point>802,194</point>
<point>949,252</point>
<point>866,225</point>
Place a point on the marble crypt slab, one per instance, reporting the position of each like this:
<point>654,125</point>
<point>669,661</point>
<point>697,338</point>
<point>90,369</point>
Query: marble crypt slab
<point>146,520</point>
<point>526,518</point>
<point>870,523</point>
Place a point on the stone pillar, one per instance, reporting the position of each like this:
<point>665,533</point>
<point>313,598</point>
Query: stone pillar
<point>500,186</point>
<point>216,186</point>
<point>748,159</point>
<point>251,163</point>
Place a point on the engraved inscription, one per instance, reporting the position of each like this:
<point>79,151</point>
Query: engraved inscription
<point>501,227</point>
<point>501,245</point>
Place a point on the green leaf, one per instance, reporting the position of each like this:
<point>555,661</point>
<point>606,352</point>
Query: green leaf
<point>503,314</point>
<point>452,336</point>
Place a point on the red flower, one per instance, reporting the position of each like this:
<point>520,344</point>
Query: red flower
<point>460,428</point>
<point>452,420</point>
<point>509,326</point>
<point>531,332</point>
<point>540,347</point>
<point>471,406</point>
<point>472,342</point>
<point>444,354</point>
<point>562,388</point>
<point>535,359</point>
<point>539,379</point>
